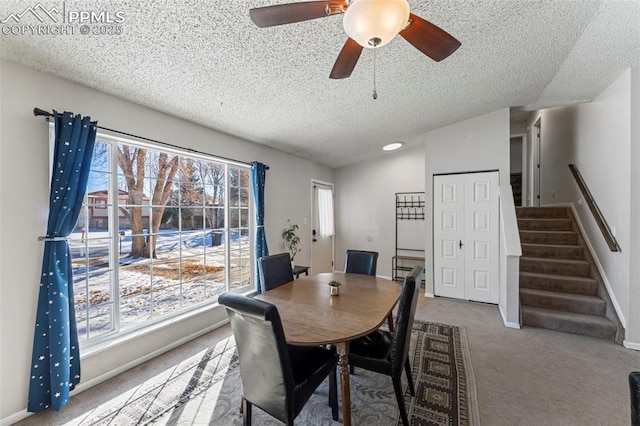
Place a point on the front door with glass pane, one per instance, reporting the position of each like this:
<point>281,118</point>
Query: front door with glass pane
<point>322,227</point>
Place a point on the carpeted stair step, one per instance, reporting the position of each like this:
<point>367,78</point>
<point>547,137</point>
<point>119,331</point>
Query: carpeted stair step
<point>577,268</point>
<point>569,322</point>
<point>561,283</point>
<point>552,251</point>
<point>526,224</point>
<point>570,302</point>
<point>549,237</point>
<point>542,212</point>
<point>559,290</point>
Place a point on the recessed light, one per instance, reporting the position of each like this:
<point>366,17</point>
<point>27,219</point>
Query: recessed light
<point>392,146</point>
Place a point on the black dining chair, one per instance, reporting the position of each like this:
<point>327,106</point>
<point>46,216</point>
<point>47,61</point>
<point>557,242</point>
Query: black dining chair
<point>276,377</point>
<point>634,390</point>
<point>275,270</point>
<point>365,263</point>
<point>388,353</point>
<point>361,262</point>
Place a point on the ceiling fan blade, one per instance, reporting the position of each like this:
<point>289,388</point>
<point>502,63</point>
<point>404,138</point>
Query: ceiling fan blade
<point>347,60</point>
<point>279,14</point>
<point>430,39</point>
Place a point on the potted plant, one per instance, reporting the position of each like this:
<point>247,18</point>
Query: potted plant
<point>335,288</point>
<point>291,241</point>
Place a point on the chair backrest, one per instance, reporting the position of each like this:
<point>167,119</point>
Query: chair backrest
<point>361,262</point>
<point>275,270</point>
<point>404,319</point>
<point>265,367</point>
<point>634,389</point>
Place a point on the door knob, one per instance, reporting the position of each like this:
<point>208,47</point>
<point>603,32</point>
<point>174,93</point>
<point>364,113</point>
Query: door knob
<point>460,244</point>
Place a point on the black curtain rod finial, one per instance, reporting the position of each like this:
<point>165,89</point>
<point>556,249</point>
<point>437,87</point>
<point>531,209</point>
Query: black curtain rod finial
<point>40,112</point>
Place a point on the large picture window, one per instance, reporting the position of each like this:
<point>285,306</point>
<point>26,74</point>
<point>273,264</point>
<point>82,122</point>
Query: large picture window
<point>160,232</point>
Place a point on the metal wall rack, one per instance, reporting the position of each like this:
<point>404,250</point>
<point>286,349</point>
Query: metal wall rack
<point>410,206</point>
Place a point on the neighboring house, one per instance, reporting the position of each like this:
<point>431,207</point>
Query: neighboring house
<point>97,202</point>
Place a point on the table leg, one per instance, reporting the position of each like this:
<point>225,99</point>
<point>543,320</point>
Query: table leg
<point>390,322</point>
<point>343,352</point>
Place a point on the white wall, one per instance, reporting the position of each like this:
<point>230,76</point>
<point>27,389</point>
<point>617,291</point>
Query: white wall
<point>596,137</point>
<point>518,128</point>
<point>480,143</point>
<point>24,187</point>
<point>632,338</point>
<point>365,203</point>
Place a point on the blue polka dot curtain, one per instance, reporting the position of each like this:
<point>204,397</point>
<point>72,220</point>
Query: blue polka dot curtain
<point>258,177</point>
<point>55,365</point>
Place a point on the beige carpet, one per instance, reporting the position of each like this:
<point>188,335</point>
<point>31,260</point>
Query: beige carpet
<point>539,377</point>
<point>205,390</point>
<point>523,377</point>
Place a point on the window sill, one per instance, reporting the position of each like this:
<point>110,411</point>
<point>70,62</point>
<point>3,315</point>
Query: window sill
<point>116,340</point>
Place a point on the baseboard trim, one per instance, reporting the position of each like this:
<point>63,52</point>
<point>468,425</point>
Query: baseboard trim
<point>15,417</point>
<point>23,414</point>
<point>506,323</point>
<point>106,376</point>
<point>514,325</point>
<point>631,345</point>
<point>607,285</point>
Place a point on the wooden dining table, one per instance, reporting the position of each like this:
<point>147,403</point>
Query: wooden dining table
<point>311,316</point>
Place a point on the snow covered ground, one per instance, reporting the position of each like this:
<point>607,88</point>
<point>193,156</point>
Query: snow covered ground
<point>188,271</point>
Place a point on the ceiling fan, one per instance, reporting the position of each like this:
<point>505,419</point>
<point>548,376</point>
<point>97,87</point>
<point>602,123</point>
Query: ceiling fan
<point>368,23</point>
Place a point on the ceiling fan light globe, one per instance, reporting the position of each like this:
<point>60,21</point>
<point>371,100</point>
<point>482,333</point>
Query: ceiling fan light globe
<point>367,19</point>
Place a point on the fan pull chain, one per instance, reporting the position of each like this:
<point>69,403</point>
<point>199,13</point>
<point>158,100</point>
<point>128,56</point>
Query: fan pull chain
<point>375,93</point>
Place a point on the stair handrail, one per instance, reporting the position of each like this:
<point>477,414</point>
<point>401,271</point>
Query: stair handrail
<point>595,210</point>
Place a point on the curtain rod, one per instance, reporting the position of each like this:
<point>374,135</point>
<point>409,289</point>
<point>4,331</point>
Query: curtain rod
<point>42,113</point>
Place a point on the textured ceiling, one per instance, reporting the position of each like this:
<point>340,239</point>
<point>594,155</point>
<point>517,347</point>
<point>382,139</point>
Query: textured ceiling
<point>206,62</point>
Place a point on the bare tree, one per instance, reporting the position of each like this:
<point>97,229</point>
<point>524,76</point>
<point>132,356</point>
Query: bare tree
<point>132,161</point>
<point>167,169</point>
<point>211,174</point>
<point>190,194</point>
<point>239,181</point>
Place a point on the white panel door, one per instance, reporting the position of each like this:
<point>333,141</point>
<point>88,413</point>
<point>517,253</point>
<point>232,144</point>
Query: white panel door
<point>466,236</point>
<point>481,239</point>
<point>448,231</point>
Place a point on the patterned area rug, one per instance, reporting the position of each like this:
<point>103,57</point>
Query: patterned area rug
<point>205,390</point>
<point>443,377</point>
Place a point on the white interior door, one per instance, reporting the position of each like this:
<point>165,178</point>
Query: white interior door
<point>466,236</point>
<point>322,228</point>
<point>481,250</point>
<point>448,232</point>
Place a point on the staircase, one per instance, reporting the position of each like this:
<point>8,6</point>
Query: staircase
<point>516,188</point>
<point>560,288</point>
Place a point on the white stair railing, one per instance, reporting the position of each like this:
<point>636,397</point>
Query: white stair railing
<point>509,302</point>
